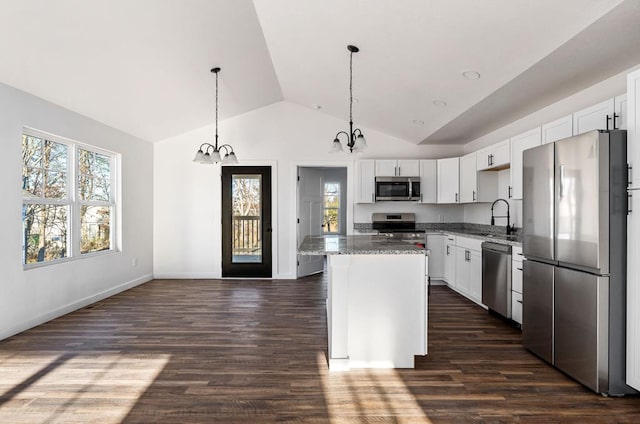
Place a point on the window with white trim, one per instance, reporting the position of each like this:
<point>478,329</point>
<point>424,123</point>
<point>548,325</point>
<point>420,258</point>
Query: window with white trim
<point>68,198</point>
<point>331,208</point>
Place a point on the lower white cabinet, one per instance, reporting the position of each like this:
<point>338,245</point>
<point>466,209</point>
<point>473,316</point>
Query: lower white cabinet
<point>450,260</point>
<point>435,244</point>
<point>469,268</point>
<point>516,284</point>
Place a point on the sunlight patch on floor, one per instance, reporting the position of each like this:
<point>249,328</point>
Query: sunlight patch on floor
<point>368,393</point>
<point>74,388</point>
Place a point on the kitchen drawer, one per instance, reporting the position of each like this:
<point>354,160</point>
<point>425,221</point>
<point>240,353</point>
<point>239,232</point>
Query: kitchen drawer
<point>516,253</point>
<point>516,307</point>
<point>516,276</point>
<point>450,239</point>
<point>469,243</point>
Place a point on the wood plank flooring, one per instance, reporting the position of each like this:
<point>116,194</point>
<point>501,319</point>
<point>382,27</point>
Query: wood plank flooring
<point>245,351</point>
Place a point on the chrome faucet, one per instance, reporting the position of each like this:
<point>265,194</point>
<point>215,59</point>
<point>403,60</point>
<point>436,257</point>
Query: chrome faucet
<point>493,217</point>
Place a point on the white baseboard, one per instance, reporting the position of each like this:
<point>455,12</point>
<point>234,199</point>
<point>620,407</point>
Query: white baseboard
<point>41,319</point>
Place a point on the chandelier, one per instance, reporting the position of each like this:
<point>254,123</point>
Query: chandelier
<point>356,142</point>
<point>211,154</point>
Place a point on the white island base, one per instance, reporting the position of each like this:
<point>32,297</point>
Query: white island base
<point>376,310</point>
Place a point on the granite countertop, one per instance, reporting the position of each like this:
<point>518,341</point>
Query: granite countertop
<point>358,245</point>
<point>498,238</point>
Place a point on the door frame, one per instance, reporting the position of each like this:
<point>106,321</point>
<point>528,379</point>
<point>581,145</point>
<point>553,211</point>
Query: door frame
<point>274,217</point>
<point>349,165</point>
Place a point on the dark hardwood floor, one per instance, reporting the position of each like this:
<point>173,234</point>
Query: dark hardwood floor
<point>212,351</point>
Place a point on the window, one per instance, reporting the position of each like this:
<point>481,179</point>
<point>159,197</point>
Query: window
<point>331,208</point>
<point>68,200</point>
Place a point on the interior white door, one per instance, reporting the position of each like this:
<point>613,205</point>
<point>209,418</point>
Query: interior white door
<point>310,192</point>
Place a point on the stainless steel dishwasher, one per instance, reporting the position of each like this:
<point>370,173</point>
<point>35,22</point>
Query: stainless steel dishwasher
<point>496,277</point>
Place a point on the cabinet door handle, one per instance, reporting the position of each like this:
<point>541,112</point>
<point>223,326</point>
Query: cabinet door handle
<point>608,120</point>
<point>519,301</point>
<point>474,195</point>
<point>615,115</point>
<point>456,197</point>
<point>509,192</point>
<point>629,209</point>
<point>488,160</point>
<point>520,254</point>
<point>629,175</point>
<point>519,269</point>
<point>447,250</point>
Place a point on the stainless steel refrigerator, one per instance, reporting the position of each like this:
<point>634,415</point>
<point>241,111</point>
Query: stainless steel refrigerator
<point>574,243</point>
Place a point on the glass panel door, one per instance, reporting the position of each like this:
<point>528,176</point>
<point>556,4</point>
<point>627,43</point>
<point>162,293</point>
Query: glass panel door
<point>246,221</point>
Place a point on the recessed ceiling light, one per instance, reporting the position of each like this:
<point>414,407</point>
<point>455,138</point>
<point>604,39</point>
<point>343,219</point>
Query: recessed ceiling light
<point>316,106</point>
<point>418,121</point>
<point>439,103</point>
<point>471,75</point>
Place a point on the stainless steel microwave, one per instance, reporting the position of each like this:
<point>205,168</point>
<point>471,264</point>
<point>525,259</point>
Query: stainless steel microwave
<point>398,188</point>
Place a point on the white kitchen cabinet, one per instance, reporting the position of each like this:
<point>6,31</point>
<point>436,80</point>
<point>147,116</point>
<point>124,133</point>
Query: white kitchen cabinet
<point>469,268</point>
<point>516,307</point>
<point>633,291</point>
<point>450,260</point>
<point>620,108</point>
<point>397,168</point>
<point>496,156</point>
<point>633,231</point>
<point>435,244</point>
<point>633,128</point>
<point>476,186</point>
<point>468,178</point>
<point>609,114</point>
<point>448,180</point>
<point>429,181</point>
<point>463,283</point>
<point>557,130</point>
<point>516,284</point>
<point>366,181</point>
<point>519,144</point>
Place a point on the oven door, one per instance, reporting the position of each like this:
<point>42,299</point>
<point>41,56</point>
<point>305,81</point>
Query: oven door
<point>393,188</point>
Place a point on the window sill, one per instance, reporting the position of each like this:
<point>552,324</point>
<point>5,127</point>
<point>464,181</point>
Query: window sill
<point>36,265</point>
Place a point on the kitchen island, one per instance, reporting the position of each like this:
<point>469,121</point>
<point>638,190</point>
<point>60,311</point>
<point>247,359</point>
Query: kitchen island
<point>376,300</point>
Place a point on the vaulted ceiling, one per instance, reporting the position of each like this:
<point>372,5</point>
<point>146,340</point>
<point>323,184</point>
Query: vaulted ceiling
<point>143,66</point>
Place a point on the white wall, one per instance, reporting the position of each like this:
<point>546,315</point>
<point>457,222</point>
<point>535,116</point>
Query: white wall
<point>285,135</point>
<point>30,297</point>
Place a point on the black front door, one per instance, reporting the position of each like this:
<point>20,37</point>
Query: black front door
<point>246,221</point>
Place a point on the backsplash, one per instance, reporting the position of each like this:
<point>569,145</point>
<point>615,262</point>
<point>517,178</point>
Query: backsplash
<point>448,226</point>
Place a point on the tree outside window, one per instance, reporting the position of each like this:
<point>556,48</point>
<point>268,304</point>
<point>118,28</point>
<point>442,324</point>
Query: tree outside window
<point>67,198</point>
<point>331,208</point>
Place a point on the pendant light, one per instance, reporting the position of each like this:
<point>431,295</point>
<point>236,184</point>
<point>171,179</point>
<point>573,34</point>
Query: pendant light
<point>209,158</point>
<point>356,142</point>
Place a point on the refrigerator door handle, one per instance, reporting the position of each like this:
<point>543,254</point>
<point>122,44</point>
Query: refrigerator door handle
<point>561,194</point>
<point>629,175</point>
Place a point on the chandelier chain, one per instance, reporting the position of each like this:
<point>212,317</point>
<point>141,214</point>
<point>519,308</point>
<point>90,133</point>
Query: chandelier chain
<point>351,87</point>
<point>216,109</point>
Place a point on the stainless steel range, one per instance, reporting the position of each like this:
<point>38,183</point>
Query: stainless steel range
<point>398,225</point>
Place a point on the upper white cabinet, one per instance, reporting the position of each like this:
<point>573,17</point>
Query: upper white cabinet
<point>397,168</point>
<point>492,157</point>
<point>557,130</point>
<point>476,186</point>
<point>610,114</point>
<point>468,178</point>
<point>366,181</point>
<point>429,181</point>
<point>448,180</point>
<point>519,144</point>
<point>633,128</point>
<point>633,231</point>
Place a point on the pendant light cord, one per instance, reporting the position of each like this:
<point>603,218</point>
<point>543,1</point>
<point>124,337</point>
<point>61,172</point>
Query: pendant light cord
<point>216,111</point>
<point>350,86</point>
